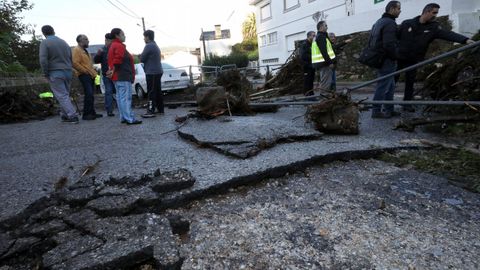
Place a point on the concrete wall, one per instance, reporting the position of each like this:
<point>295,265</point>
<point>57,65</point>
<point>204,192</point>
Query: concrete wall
<point>346,17</point>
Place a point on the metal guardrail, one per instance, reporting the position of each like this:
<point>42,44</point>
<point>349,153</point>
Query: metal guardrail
<point>298,100</point>
<point>420,64</point>
<point>210,73</point>
<point>369,102</point>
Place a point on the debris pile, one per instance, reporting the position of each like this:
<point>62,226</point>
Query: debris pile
<point>336,115</point>
<point>455,79</point>
<point>289,79</point>
<point>23,104</point>
<point>452,79</point>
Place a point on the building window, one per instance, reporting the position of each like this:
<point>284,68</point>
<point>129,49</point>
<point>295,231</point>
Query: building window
<point>290,4</point>
<point>291,39</point>
<point>263,40</point>
<point>270,60</point>
<point>272,38</point>
<point>265,12</point>
<point>350,6</point>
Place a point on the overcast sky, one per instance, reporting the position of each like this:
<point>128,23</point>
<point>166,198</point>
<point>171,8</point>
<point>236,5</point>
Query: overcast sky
<point>176,22</point>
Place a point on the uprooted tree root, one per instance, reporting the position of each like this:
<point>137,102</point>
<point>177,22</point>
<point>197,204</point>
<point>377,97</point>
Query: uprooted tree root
<point>230,97</point>
<point>237,88</point>
<point>335,115</point>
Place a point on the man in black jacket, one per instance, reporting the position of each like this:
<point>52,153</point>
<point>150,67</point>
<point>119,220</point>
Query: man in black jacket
<point>306,57</point>
<point>415,35</point>
<point>151,58</point>
<point>101,58</point>
<point>384,36</point>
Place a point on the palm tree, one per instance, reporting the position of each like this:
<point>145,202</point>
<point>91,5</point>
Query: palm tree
<point>249,27</point>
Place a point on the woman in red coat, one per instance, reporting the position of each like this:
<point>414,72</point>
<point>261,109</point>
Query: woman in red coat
<point>122,72</point>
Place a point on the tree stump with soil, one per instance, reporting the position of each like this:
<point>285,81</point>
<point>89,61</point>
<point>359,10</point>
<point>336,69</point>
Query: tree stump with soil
<point>336,115</point>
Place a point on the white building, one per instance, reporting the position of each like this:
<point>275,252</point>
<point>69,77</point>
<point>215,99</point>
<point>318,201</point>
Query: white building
<point>281,22</point>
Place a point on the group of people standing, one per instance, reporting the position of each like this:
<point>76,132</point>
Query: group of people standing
<point>58,60</point>
<point>400,46</point>
<point>318,53</point>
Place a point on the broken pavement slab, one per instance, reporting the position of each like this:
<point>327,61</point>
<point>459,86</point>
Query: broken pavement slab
<point>130,241</point>
<point>115,229</point>
<point>245,136</point>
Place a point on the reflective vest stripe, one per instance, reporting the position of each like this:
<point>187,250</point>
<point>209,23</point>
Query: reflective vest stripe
<point>317,56</point>
<point>97,80</point>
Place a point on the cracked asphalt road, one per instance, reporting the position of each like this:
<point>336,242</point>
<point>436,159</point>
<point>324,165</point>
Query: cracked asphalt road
<point>35,155</point>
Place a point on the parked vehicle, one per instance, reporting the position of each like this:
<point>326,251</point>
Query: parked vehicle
<point>140,83</point>
<point>172,79</point>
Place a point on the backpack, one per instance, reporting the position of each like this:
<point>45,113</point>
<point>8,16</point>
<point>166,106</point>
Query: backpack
<point>372,55</point>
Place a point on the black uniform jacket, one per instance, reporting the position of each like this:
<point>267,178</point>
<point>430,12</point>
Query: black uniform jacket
<point>414,38</point>
<point>306,54</point>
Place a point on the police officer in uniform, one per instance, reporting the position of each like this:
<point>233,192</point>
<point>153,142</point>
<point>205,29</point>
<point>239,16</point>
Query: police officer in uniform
<point>415,35</point>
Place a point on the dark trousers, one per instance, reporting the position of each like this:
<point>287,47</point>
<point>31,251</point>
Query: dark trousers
<point>154,89</point>
<point>409,79</point>
<point>308,78</point>
<point>87,84</point>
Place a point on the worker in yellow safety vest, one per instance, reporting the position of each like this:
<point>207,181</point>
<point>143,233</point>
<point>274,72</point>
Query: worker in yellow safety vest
<point>97,82</point>
<point>323,56</point>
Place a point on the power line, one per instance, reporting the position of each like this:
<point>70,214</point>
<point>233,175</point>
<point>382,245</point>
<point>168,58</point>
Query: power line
<point>122,10</point>
<point>133,12</point>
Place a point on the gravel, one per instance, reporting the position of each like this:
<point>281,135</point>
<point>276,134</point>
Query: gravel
<point>357,215</point>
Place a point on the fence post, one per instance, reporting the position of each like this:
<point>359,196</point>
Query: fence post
<point>267,74</point>
<point>191,75</point>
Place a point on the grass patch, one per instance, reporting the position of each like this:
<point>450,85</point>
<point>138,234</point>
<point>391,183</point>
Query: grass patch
<point>459,166</point>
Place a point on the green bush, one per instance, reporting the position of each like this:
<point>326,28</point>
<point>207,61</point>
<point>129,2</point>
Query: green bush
<point>248,47</point>
<point>15,67</point>
<point>239,59</point>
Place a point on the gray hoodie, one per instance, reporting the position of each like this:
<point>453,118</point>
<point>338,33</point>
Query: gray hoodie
<point>55,54</point>
<point>150,57</point>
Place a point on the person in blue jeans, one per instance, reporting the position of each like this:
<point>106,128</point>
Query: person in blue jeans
<point>385,90</point>
<point>101,58</point>
<point>122,72</point>
<point>337,48</point>
<point>384,33</point>
<point>56,63</point>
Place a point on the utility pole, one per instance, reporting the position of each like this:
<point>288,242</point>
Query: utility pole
<point>204,48</point>
<point>143,24</point>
